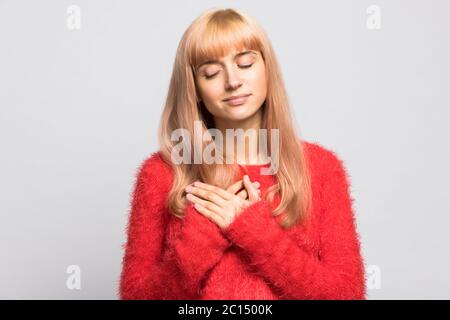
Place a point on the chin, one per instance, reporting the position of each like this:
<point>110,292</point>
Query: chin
<point>239,113</point>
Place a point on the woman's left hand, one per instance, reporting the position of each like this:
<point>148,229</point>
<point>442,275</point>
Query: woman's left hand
<point>219,205</point>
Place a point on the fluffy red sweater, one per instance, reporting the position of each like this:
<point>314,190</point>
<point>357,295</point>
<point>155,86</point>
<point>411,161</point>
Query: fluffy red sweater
<point>253,258</point>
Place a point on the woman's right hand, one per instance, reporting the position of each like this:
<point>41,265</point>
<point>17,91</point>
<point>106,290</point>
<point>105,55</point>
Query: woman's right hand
<point>223,206</point>
<point>243,194</point>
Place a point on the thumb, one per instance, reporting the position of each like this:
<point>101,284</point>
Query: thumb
<point>253,194</point>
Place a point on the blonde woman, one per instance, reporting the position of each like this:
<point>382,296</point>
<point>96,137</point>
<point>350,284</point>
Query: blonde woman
<point>267,222</point>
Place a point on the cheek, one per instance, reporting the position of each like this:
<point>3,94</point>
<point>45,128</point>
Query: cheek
<point>210,91</point>
<point>259,82</point>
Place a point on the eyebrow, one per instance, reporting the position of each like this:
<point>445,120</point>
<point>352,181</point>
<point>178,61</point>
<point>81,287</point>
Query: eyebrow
<point>217,61</point>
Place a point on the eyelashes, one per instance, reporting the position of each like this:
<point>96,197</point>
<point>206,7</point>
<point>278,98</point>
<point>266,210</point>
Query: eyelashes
<point>242,67</point>
<point>246,66</point>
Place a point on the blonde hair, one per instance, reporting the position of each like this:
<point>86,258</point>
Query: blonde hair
<point>211,36</point>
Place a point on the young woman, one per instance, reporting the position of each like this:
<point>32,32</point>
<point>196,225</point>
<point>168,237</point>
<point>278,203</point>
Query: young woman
<point>226,229</point>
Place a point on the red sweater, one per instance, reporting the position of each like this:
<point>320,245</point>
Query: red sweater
<point>253,258</point>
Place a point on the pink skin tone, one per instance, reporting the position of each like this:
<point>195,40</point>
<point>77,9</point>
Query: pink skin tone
<point>222,206</point>
<point>239,72</point>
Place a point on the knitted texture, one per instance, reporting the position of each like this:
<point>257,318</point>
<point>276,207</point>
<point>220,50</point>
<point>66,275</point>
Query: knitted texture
<point>254,257</point>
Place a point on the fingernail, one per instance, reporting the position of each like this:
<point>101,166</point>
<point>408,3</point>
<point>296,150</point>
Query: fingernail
<point>188,189</point>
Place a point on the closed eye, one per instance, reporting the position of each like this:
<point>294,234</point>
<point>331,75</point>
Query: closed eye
<point>246,66</point>
<point>241,66</point>
<point>211,76</point>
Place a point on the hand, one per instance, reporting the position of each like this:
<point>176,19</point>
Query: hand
<point>223,206</point>
<point>238,185</point>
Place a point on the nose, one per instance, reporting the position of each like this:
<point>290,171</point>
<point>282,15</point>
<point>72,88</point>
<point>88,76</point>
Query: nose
<point>233,81</point>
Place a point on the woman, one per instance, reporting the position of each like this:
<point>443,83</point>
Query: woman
<point>226,229</point>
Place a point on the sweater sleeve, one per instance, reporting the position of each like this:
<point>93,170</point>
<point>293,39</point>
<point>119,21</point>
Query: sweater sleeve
<point>338,271</point>
<point>154,268</point>
<point>190,257</point>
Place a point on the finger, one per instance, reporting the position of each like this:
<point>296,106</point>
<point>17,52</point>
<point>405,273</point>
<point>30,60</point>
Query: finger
<point>206,195</point>
<point>211,215</point>
<point>207,204</point>
<point>219,191</point>
<point>236,187</point>
<point>242,194</point>
<point>252,191</point>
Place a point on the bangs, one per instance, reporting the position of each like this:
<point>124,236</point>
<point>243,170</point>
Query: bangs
<point>220,36</point>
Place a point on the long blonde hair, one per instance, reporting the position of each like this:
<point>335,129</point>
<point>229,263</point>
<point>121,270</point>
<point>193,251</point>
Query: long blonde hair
<point>211,36</point>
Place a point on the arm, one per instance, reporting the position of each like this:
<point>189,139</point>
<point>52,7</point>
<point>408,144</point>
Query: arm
<point>190,257</point>
<point>151,270</point>
<point>337,274</point>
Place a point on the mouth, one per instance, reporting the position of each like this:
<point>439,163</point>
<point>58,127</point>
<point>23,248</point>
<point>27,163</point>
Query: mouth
<point>237,100</point>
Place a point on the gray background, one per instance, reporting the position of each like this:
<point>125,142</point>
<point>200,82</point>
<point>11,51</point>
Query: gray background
<point>79,111</point>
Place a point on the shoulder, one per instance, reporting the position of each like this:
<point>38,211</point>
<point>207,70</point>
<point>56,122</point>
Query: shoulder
<point>323,161</point>
<point>320,154</point>
<point>154,172</point>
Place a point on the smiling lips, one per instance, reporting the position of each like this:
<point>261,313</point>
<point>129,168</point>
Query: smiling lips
<point>237,100</point>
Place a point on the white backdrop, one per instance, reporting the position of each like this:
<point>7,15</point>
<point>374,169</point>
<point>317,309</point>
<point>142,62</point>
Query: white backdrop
<point>79,111</point>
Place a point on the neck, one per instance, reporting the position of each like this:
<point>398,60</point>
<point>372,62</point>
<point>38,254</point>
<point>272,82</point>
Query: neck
<point>249,154</point>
